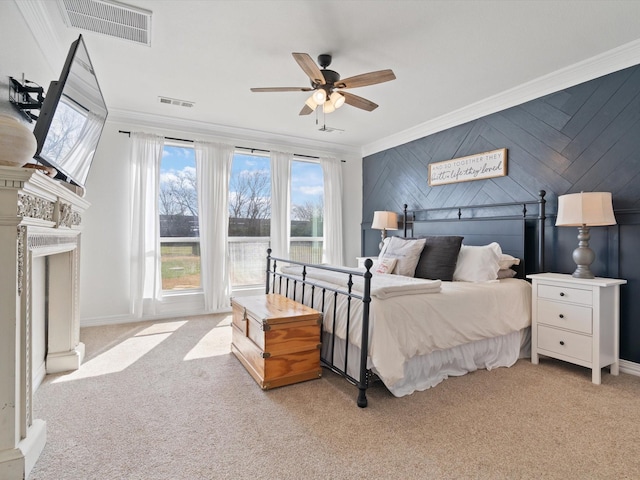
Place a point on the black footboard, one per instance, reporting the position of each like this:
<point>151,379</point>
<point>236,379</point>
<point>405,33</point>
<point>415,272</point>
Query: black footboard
<point>331,300</point>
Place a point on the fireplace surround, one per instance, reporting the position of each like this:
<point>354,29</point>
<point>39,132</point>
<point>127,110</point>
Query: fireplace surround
<point>39,217</point>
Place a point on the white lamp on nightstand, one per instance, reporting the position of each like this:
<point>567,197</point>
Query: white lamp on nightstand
<point>384,221</point>
<point>584,210</point>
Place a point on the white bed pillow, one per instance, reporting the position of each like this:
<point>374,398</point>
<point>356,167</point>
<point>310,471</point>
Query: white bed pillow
<point>507,261</point>
<point>385,244</point>
<point>406,252</point>
<point>506,273</point>
<point>478,263</point>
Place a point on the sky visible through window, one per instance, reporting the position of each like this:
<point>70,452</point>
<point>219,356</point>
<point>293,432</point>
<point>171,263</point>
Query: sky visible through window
<point>306,177</point>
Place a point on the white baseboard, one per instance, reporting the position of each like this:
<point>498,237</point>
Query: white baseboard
<point>631,368</point>
<point>122,319</point>
<point>38,375</point>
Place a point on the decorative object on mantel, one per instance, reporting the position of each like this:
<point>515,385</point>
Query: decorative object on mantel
<point>584,210</point>
<point>473,167</point>
<point>17,143</point>
<point>48,171</point>
<point>384,221</point>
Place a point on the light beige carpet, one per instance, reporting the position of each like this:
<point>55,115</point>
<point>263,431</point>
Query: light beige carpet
<point>167,400</point>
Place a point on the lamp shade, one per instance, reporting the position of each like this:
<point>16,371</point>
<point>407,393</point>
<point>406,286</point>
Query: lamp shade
<point>385,220</point>
<point>586,208</point>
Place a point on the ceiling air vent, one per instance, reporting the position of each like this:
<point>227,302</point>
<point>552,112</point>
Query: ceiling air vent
<point>109,18</point>
<point>175,101</point>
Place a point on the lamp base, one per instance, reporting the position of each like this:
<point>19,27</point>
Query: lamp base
<point>383,235</point>
<point>582,272</point>
<point>583,255</point>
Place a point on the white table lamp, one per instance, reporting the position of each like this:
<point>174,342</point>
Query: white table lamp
<point>584,210</point>
<point>384,221</point>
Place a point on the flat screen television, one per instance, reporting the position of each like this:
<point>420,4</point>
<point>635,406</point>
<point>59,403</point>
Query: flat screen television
<point>71,118</point>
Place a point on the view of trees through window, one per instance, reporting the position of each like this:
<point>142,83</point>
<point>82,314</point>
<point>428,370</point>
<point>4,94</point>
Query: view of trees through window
<point>178,209</point>
<point>249,217</point>
<point>307,204</point>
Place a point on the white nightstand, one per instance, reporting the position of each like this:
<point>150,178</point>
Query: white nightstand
<point>361,260</point>
<point>576,320</point>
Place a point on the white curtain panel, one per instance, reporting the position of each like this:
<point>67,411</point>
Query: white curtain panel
<point>213,168</point>
<point>146,278</point>
<point>280,207</point>
<point>332,226</point>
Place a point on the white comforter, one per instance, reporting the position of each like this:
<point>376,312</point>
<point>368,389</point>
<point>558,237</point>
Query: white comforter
<point>404,326</point>
<point>462,313</point>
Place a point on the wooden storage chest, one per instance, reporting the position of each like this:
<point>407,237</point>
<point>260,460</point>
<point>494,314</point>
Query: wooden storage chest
<point>276,339</point>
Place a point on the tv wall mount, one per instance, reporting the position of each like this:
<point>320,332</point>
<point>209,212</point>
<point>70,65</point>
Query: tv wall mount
<point>21,96</point>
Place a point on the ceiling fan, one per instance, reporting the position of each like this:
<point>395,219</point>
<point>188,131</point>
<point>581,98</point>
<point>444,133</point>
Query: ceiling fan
<point>328,89</point>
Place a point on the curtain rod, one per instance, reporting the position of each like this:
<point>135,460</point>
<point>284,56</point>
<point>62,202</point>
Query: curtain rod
<point>243,148</point>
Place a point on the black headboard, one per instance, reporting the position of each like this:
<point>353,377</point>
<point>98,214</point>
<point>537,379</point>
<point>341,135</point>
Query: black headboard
<point>517,226</point>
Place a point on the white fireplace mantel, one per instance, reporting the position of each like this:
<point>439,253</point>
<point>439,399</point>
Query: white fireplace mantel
<point>39,217</point>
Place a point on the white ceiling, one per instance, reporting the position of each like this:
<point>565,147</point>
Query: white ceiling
<point>446,55</point>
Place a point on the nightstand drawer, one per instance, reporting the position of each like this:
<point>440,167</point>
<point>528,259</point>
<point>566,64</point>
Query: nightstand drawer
<point>566,343</point>
<point>565,315</point>
<point>566,294</point>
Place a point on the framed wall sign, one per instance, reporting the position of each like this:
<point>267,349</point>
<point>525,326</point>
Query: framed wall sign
<point>473,167</point>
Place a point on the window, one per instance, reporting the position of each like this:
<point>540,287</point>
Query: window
<point>178,210</point>
<point>250,215</point>
<point>249,218</point>
<point>307,204</point>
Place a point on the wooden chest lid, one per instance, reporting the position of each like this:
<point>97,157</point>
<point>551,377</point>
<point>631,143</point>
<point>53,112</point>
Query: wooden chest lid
<point>273,308</point>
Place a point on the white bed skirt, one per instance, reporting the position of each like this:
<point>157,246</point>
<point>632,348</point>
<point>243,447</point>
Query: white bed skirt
<point>426,371</point>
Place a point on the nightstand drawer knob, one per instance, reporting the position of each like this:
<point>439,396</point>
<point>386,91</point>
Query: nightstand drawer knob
<point>562,294</point>
<point>561,315</point>
<point>561,342</point>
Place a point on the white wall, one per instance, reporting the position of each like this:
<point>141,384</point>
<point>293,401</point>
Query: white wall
<point>352,209</point>
<point>105,252</point>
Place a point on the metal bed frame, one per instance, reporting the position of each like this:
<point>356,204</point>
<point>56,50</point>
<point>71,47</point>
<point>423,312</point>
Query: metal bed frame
<point>484,227</point>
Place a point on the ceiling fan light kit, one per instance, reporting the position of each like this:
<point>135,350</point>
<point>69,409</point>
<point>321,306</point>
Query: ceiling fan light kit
<point>311,103</point>
<point>328,89</point>
<point>319,96</point>
<point>337,100</point>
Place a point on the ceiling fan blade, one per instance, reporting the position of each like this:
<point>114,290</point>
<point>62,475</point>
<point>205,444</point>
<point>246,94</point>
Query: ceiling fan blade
<point>306,110</point>
<point>365,79</point>
<point>310,68</point>
<point>282,89</point>
<point>358,102</point>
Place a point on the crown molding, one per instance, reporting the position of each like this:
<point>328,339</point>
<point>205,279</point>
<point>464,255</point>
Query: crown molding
<point>611,61</point>
<point>198,130</point>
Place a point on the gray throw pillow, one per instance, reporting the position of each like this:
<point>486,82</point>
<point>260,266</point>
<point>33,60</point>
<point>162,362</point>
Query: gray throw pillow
<point>438,258</point>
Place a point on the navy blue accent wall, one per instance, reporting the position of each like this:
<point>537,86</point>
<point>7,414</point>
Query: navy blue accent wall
<point>584,138</point>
